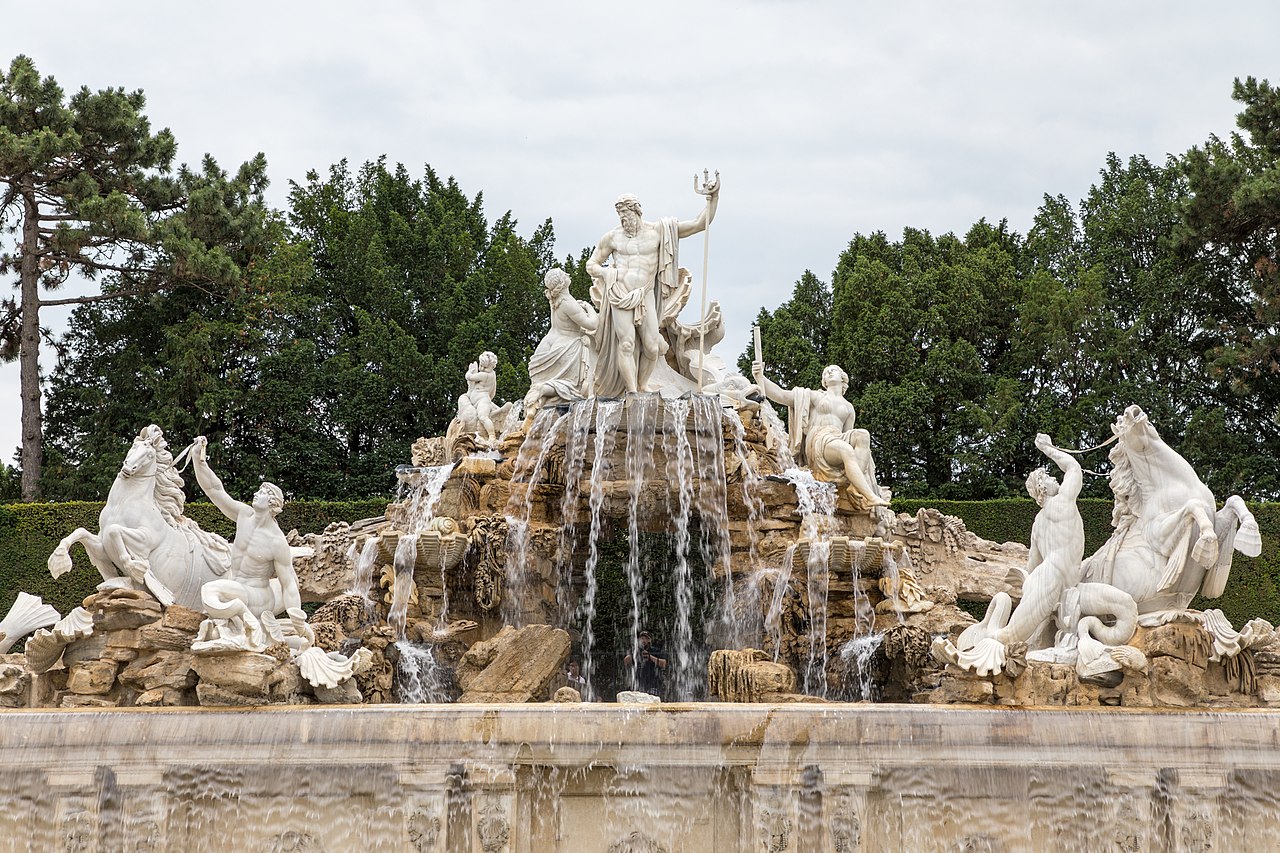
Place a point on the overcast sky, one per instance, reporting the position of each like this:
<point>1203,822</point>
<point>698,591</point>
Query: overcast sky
<point>824,118</point>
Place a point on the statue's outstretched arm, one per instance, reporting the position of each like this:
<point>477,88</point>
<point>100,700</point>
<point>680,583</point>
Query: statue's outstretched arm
<point>211,483</point>
<point>771,389</point>
<point>699,223</point>
<point>1072,475</point>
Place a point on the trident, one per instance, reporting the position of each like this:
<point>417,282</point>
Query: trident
<point>707,188</point>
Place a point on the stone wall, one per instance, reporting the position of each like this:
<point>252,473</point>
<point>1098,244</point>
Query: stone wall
<point>595,779</point>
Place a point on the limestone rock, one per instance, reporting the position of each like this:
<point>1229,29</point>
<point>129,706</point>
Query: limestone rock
<point>635,697</point>
<point>963,689</point>
<point>321,563</point>
<point>1186,641</point>
<point>122,609</point>
<point>89,648</point>
<point>567,695</point>
<point>1269,689</point>
<point>345,611</point>
<point>179,618</point>
<point>15,681</point>
<point>77,700</point>
<point>243,672</point>
<point>748,675</point>
<point>165,697</point>
<point>1175,682</point>
<point>346,693</point>
<point>91,677</point>
<point>157,636</point>
<point>167,669</point>
<point>212,695</point>
<point>517,665</point>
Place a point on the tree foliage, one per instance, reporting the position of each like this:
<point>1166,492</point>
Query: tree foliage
<point>88,191</point>
<point>346,340</point>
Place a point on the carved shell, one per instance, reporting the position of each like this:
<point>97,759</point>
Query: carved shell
<point>26,615</point>
<point>324,669</point>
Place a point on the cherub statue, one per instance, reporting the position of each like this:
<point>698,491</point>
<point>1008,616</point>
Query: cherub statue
<point>476,406</point>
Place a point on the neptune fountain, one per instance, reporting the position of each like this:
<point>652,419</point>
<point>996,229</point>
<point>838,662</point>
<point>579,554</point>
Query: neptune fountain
<point>464,672</point>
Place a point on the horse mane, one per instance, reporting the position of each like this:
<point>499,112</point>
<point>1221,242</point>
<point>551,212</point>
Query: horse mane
<point>170,498</point>
<point>1125,486</point>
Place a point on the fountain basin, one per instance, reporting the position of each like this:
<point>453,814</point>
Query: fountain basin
<point>675,777</point>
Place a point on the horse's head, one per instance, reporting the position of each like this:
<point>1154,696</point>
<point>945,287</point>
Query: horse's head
<point>141,459</point>
<point>1134,430</point>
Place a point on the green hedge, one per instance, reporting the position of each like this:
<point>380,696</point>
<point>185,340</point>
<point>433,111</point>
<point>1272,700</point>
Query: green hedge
<point>1253,589</point>
<point>30,532</point>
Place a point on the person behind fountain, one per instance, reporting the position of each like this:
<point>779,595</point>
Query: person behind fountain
<point>648,665</point>
<point>560,368</point>
<point>821,429</point>
<point>261,579</point>
<point>639,292</point>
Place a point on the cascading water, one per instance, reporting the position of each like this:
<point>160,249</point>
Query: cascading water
<point>608,417</point>
<point>679,476</point>
<point>581,417</point>
<point>363,584</point>
<point>530,462</point>
<point>858,654</point>
<point>816,503</point>
<point>641,416</point>
<point>712,506</point>
<point>406,558</point>
<point>418,677</point>
<point>425,495</point>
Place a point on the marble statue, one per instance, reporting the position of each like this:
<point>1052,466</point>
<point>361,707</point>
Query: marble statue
<point>479,417</point>
<point>144,539</point>
<point>476,406</point>
<point>637,286</point>
<point>1169,544</point>
<point>821,433</point>
<point>27,614</point>
<point>560,368</point>
<point>686,342</point>
<point>1052,584</point>
<point>261,579</point>
<point>1170,540</point>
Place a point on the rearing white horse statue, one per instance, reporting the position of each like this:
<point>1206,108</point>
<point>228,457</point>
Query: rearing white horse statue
<point>1170,540</point>
<point>144,536</point>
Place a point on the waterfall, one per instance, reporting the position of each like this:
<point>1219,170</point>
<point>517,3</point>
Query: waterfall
<point>363,582</point>
<point>816,503</point>
<point>712,507</point>
<point>641,417</point>
<point>405,559</point>
<point>418,677</point>
<point>680,474</point>
<point>425,495</point>
<point>857,655</point>
<point>608,416</point>
<point>581,417</point>
<point>529,463</point>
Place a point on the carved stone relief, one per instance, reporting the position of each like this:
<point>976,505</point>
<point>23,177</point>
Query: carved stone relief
<point>636,842</point>
<point>424,831</point>
<point>493,828</point>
